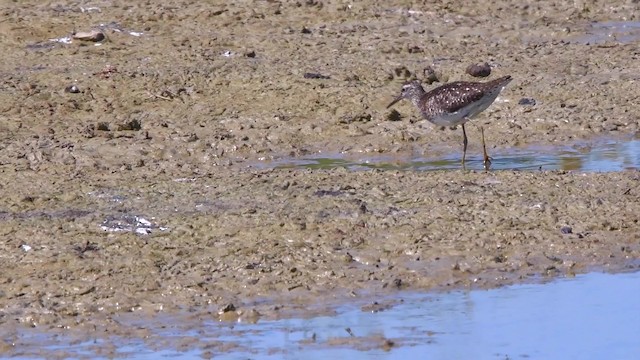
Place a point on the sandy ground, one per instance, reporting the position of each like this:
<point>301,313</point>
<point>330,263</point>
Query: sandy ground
<point>132,191</point>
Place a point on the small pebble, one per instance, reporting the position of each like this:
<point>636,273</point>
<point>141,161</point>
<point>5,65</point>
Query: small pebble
<point>566,230</point>
<point>430,75</point>
<point>103,126</point>
<point>93,35</point>
<point>479,70</point>
<point>227,308</point>
<point>315,76</point>
<point>133,125</point>
<point>527,101</point>
<point>72,89</point>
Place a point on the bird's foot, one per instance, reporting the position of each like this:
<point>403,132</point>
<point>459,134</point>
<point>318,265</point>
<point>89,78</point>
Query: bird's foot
<point>487,163</point>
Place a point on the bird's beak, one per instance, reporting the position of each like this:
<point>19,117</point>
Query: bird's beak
<point>394,101</point>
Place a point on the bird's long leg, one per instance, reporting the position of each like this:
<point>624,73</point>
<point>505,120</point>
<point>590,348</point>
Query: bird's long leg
<point>487,160</point>
<point>464,146</point>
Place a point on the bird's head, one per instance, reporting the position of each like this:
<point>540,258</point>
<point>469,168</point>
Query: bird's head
<point>410,90</point>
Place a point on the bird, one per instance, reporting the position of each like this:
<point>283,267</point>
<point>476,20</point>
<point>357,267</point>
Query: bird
<point>454,104</point>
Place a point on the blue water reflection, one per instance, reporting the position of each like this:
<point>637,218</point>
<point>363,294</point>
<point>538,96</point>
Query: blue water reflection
<point>601,156</point>
<point>593,316</point>
<point>596,316</point>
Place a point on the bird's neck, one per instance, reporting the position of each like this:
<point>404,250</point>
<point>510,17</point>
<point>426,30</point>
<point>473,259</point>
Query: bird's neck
<point>415,100</point>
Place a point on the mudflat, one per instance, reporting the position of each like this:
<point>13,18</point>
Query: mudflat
<point>128,174</point>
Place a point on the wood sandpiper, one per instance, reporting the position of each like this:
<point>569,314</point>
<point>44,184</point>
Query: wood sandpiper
<point>454,104</point>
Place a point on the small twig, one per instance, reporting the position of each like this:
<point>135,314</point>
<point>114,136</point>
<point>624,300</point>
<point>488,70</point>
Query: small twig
<point>158,96</point>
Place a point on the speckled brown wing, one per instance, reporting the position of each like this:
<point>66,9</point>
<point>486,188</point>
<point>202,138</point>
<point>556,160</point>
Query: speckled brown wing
<point>452,97</point>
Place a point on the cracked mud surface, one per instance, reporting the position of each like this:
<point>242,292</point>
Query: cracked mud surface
<point>134,193</point>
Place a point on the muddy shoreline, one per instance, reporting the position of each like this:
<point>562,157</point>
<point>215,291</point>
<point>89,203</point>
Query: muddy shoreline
<point>135,191</point>
<point>273,243</point>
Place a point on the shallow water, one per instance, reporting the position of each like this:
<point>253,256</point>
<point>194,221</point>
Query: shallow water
<point>611,155</point>
<point>624,32</point>
<point>593,316</point>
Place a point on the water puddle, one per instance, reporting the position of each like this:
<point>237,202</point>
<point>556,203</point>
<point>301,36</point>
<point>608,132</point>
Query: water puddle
<point>604,156</point>
<point>592,316</point>
<point>623,32</point>
<point>586,317</point>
